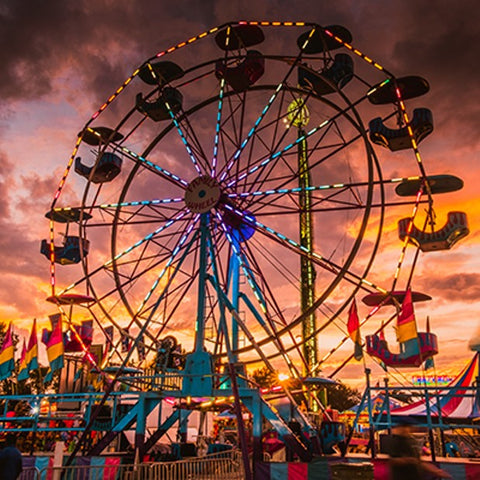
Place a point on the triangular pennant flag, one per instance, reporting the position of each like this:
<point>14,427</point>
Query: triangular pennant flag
<point>429,364</point>
<point>406,324</point>
<point>7,353</point>
<point>353,327</point>
<point>55,350</point>
<point>31,357</point>
<point>23,370</point>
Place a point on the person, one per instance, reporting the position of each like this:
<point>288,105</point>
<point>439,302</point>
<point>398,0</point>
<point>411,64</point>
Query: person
<point>404,461</point>
<point>10,459</point>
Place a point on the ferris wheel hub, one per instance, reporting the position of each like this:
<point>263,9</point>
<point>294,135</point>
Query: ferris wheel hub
<point>202,194</point>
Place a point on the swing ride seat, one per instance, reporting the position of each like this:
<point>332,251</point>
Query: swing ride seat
<point>239,36</point>
<point>67,215</point>
<point>324,82</point>
<point>437,183</point>
<point>96,136</point>
<point>426,346</point>
<point>160,73</point>
<point>399,139</point>
<point>71,299</point>
<point>243,75</point>
<point>108,167</point>
<point>455,229</point>
<point>409,87</point>
<point>320,41</point>
<point>157,110</point>
<point>393,298</point>
<point>69,253</point>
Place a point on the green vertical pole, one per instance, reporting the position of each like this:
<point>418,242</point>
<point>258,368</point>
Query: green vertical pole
<point>299,117</point>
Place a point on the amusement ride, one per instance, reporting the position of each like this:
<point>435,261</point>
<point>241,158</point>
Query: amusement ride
<point>224,208</point>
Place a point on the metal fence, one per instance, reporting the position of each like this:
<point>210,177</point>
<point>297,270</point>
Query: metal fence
<point>220,466</point>
<point>30,473</point>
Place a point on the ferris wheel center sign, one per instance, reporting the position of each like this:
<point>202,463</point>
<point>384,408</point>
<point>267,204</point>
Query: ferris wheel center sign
<point>202,194</point>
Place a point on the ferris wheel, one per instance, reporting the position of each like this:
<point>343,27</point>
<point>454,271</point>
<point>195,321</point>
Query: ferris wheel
<point>228,195</point>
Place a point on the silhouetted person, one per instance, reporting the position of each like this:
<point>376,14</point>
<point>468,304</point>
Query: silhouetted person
<point>405,462</point>
<point>10,459</point>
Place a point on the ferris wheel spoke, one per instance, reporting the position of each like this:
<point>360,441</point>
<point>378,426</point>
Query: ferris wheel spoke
<point>175,252</point>
<point>272,157</point>
<point>266,324</point>
<point>269,173</point>
<point>149,165</point>
<point>318,259</point>
<point>218,123</point>
<point>108,265</point>
<point>183,137</point>
<point>262,115</point>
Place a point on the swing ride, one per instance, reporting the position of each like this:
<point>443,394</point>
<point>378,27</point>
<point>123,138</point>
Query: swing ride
<point>233,199</point>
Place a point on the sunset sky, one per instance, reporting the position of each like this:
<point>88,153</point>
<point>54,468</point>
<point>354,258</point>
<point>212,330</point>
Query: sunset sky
<point>62,59</point>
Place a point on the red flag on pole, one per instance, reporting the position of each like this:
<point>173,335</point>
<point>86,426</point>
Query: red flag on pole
<point>406,324</point>
<point>353,327</point>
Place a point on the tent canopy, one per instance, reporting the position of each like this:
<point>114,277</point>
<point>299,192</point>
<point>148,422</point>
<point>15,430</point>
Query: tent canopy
<point>461,400</point>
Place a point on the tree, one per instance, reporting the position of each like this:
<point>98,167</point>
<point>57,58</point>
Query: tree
<point>342,397</point>
<point>264,377</point>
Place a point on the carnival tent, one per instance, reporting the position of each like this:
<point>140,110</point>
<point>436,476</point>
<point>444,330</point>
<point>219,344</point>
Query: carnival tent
<point>459,400</point>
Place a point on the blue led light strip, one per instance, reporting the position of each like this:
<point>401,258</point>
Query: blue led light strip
<point>220,108</point>
<point>217,127</point>
<point>184,140</point>
<point>142,203</point>
<point>152,166</point>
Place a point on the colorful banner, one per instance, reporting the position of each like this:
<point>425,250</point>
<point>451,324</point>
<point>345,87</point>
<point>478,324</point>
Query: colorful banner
<point>55,350</point>
<point>109,337</point>
<point>406,324</point>
<point>7,352</point>
<point>353,327</point>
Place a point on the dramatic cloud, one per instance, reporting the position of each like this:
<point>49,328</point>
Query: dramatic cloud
<point>61,60</point>
<point>459,287</point>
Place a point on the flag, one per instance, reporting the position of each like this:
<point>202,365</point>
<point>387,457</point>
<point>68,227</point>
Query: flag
<point>30,361</point>
<point>86,332</point>
<point>109,337</point>
<point>125,341</point>
<point>54,319</point>
<point>23,370</point>
<point>353,327</point>
<point>7,352</point>
<point>428,363</point>
<point>45,335</point>
<point>78,373</point>
<point>406,324</point>
<point>55,351</point>
<point>141,350</point>
<point>384,344</point>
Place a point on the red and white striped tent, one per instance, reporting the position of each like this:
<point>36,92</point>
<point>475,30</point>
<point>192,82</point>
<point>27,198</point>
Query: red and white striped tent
<point>460,401</point>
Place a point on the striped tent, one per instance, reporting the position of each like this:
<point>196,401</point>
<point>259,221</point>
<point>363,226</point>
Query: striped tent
<point>462,400</point>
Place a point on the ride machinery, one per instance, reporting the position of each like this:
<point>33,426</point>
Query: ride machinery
<point>240,182</point>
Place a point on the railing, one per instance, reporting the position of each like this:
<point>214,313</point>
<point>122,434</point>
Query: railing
<point>220,466</point>
<point>30,473</point>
